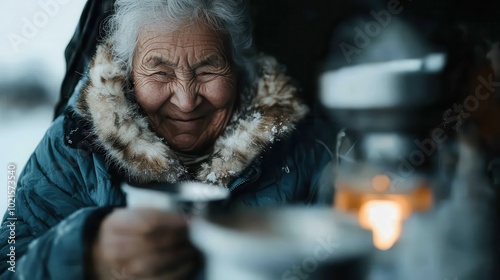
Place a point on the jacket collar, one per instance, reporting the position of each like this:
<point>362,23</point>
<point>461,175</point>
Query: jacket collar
<point>267,112</point>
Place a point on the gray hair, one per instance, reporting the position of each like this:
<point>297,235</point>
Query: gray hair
<point>227,16</point>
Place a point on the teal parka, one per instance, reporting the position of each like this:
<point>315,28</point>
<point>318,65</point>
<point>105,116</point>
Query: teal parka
<point>267,155</point>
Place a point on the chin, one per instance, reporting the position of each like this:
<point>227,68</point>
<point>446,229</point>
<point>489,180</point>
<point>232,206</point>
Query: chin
<point>186,145</point>
<point>191,143</point>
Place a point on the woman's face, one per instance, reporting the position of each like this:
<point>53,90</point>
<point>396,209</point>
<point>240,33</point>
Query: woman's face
<point>186,83</point>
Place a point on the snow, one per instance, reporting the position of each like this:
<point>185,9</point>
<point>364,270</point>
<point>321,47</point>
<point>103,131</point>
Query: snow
<point>274,130</point>
<point>43,45</point>
<point>39,58</point>
<point>19,135</point>
<point>212,177</point>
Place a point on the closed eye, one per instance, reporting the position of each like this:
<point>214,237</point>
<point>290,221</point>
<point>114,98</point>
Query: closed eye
<point>163,75</point>
<point>206,73</point>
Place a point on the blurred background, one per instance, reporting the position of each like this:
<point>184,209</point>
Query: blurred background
<point>33,39</point>
<point>300,34</point>
<point>297,32</point>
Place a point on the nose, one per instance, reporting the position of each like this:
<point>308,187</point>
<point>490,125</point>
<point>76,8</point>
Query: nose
<point>185,97</point>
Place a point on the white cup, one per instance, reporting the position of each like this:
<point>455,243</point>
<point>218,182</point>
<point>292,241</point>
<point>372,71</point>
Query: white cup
<point>191,198</point>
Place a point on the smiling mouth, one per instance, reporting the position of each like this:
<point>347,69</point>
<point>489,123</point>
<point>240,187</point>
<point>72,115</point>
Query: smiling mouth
<point>185,120</point>
<point>186,125</point>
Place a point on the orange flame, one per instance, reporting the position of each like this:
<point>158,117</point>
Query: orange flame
<point>380,210</point>
<point>384,218</point>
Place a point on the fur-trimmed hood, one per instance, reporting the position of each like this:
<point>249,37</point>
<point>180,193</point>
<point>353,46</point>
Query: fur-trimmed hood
<point>267,112</point>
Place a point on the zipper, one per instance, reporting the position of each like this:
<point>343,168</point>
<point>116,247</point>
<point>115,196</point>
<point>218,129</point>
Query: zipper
<point>252,179</point>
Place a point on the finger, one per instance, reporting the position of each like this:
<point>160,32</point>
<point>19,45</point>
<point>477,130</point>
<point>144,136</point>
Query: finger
<point>119,249</point>
<point>122,241</point>
<point>164,220</point>
<point>164,239</point>
<point>182,272</point>
<point>160,241</point>
<point>161,262</point>
<point>146,221</point>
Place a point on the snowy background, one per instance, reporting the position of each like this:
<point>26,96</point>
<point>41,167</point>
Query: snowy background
<point>32,42</point>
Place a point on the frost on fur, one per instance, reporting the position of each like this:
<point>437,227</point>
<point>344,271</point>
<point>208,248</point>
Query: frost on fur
<point>266,114</point>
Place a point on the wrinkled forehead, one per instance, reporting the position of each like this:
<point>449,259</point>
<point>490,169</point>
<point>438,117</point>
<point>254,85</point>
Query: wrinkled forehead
<point>189,39</point>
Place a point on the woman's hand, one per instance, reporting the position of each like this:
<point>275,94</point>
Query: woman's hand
<point>145,244</point>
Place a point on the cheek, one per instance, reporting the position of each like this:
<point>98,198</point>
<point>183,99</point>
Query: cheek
<point>149,94</point>
<point>221,93</point>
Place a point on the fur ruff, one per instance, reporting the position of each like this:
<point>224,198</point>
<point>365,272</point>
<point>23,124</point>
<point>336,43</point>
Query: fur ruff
<point>267,112</point>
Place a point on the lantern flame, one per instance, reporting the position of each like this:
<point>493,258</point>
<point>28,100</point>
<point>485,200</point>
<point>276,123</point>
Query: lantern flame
<point>384,218</point>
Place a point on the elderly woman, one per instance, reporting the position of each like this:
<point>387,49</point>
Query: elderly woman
<point>173,94</point>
